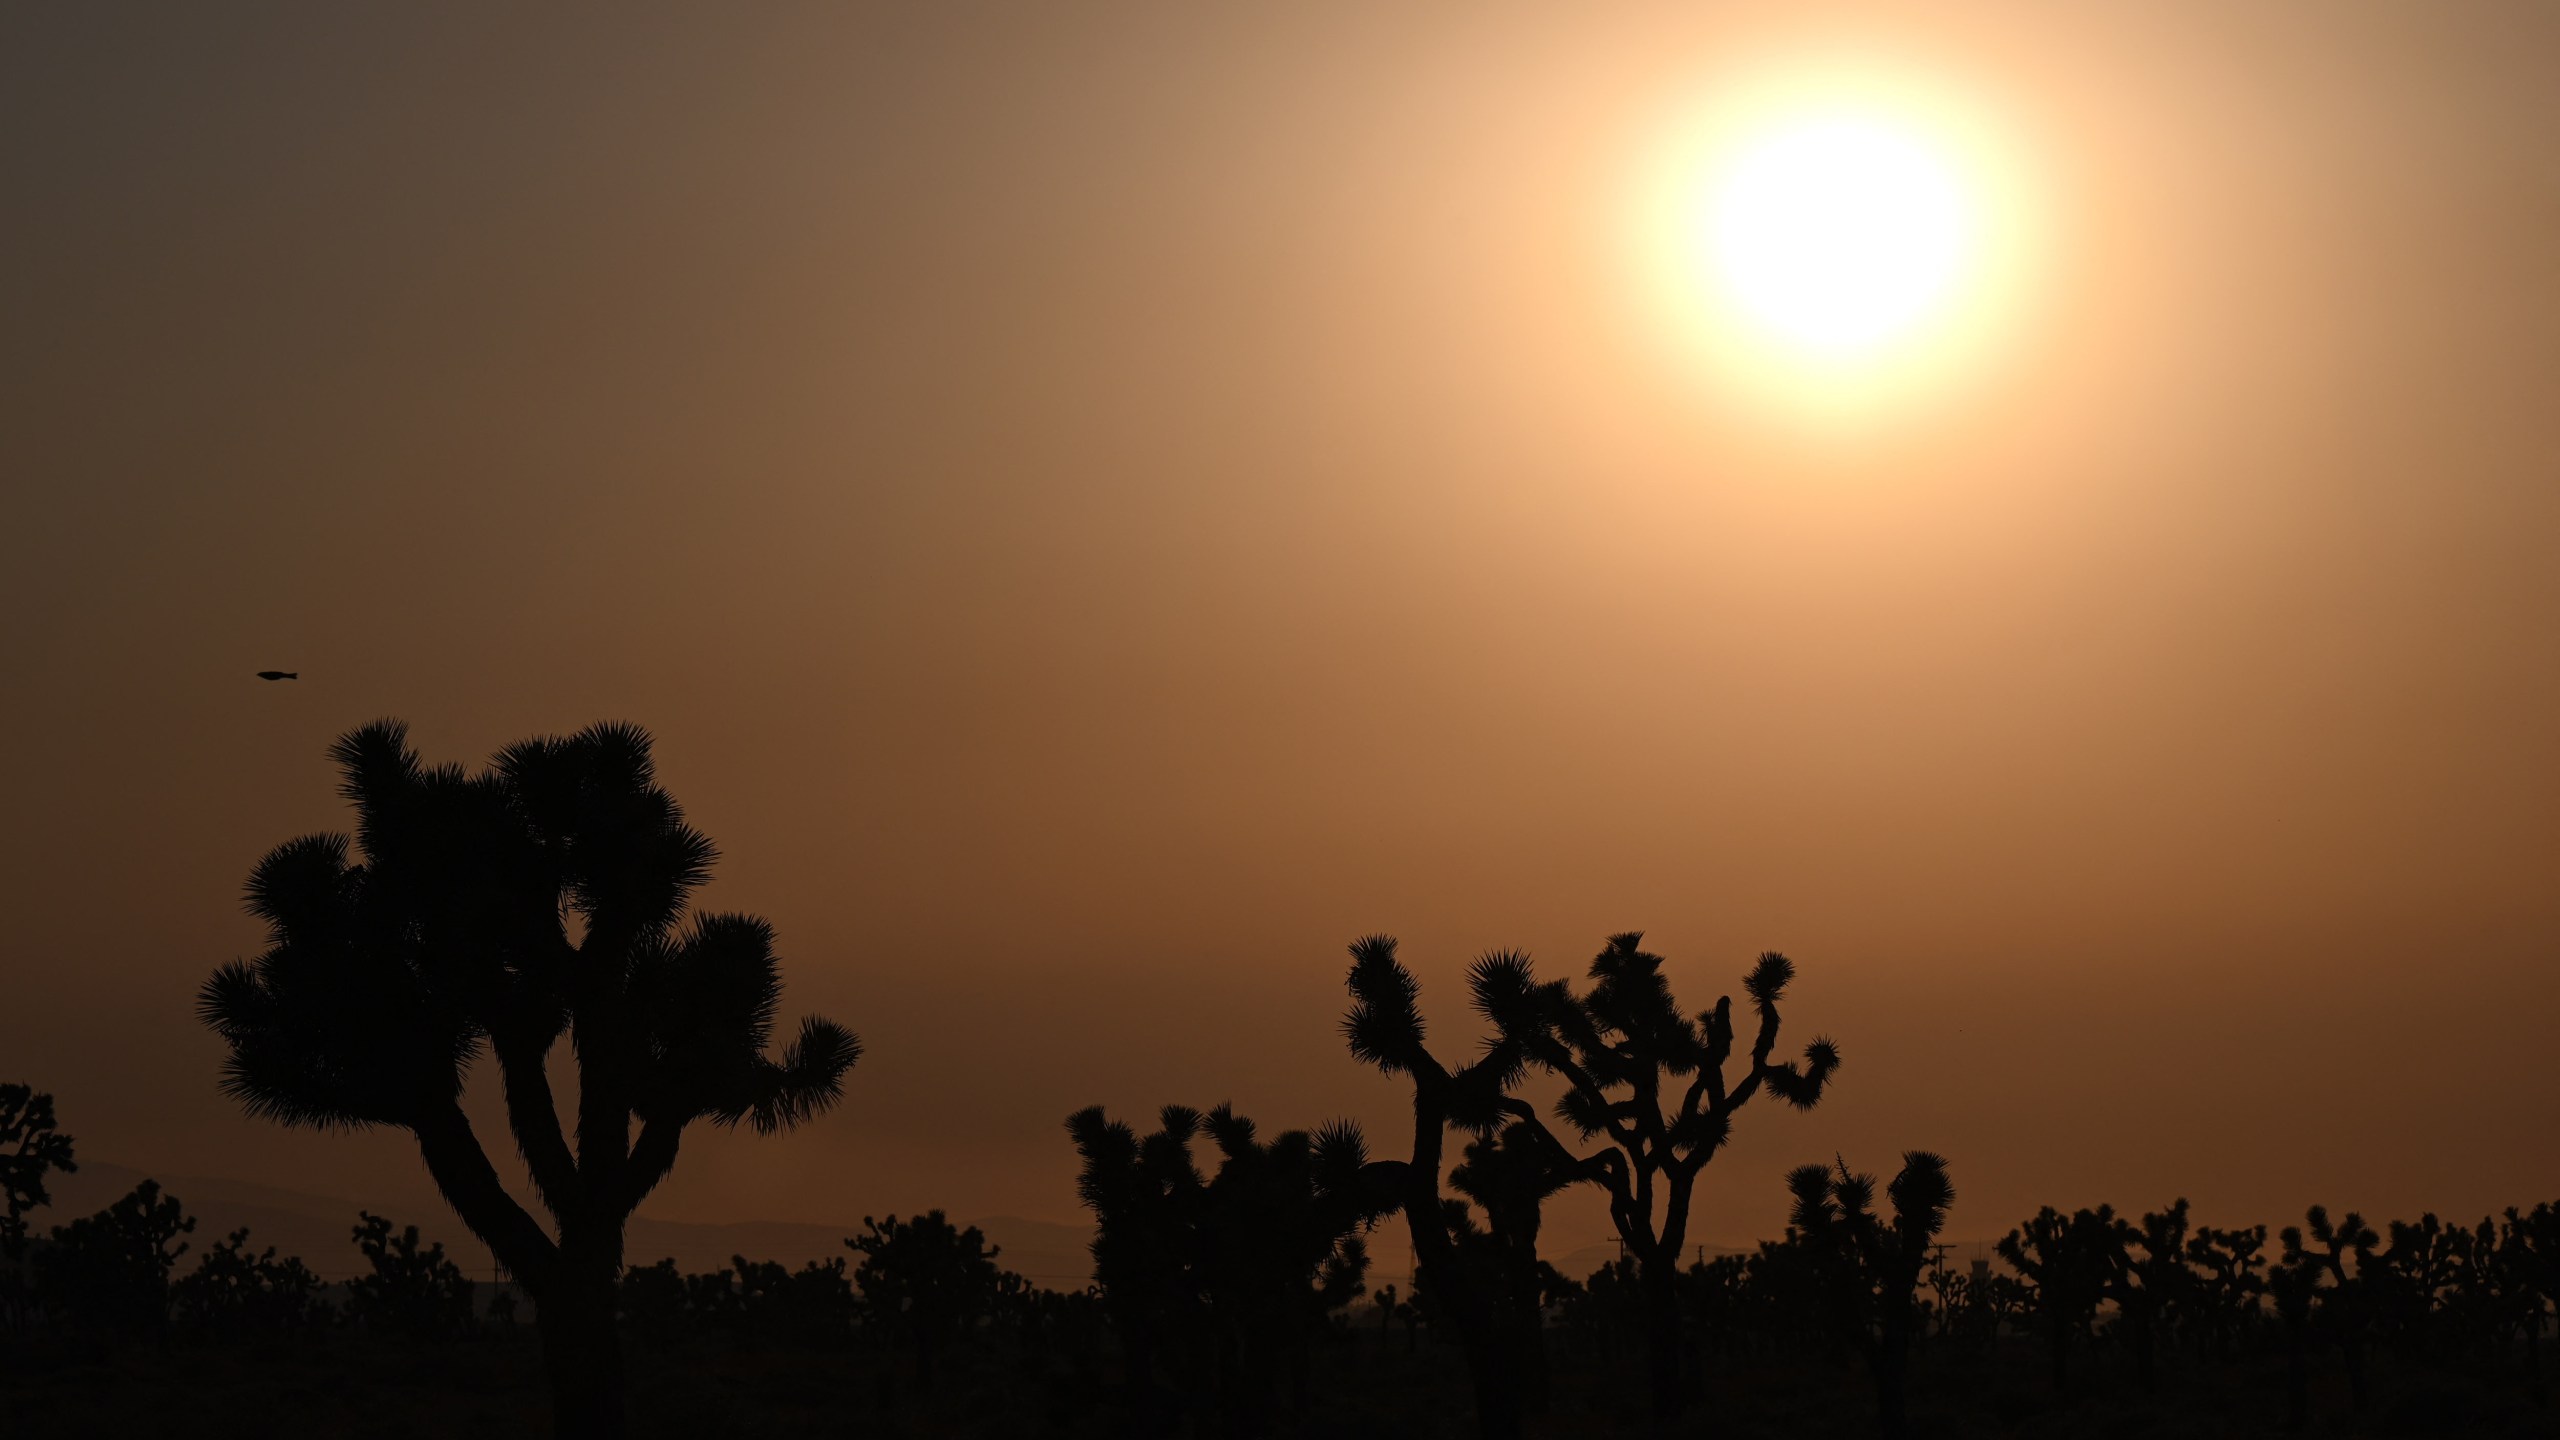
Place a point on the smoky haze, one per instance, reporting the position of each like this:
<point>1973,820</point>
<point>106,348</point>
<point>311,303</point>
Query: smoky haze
<point>1103,505</point>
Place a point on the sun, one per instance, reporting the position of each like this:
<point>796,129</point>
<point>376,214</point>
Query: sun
<point>1838,235</point>
<point>1837,242</point>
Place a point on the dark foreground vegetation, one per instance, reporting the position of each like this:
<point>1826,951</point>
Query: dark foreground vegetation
<point>546,899</point>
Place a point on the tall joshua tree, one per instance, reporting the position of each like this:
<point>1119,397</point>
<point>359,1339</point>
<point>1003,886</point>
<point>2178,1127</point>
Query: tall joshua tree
<point>497,913</point>
<point>1869,1266</point>
<point>1384,1028</point>
<point>1649,1081</point>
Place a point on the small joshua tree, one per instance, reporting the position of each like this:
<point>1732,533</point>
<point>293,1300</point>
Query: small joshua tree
<point>1868,1267</point>
<point>545,899</point>
<point>2529,1259</point>
<point>1145,1196</point>
<point>2230,1267</point>
<point>811,1306</point>
<point>2323,1279</point>
<point>2068,1262</point>
<point>109,1272</point>
<point>29,1149</point>
<point>1651,1082</point>
<point>925,1280</point>
<point>1510,1175</point>
<point>2419,1283</point>
<point>234,1290</point>
<point>2149,1281</point>
<point>1229,1273</point>
<point>412,1290</point>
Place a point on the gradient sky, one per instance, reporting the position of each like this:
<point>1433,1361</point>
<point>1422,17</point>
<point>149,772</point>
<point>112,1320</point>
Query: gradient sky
<point>1104,504</point>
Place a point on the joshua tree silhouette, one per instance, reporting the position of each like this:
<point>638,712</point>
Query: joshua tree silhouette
<point>414,1292</point>
<point>927,1280</point>
<point>1384,1028</point>
<point>1242,1266</point>
<point>2529,1255</point>
<point>2066,1261</point>
<point>2148,1287</point>
<point>545,897</point>
<point>1652,1082</point>
<point>2317,1288</point>
<point>1868,1268</point>
<point>29,1148</point>
<point>109,1272</point>
<point>1510,1174</point>
<point>2230,1271</point>
<point>237,1291</point>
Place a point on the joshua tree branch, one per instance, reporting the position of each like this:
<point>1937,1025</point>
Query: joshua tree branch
<point>652,1156</point>
<point>1709,1078</point>
<point>1563,1063</point>
<point>535,1120</point>
<point>1750,1084</point>
<point>462,1171</point>
<point>604,1105</point>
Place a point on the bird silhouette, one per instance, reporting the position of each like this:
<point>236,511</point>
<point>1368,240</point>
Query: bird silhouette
<point>279,674</point>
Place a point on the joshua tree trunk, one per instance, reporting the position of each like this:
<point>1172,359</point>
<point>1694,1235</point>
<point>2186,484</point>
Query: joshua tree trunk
<point>1527,1319</point>
<point>2297,1378</point>
<point>582,1358</point>
<point>2351,1348</point>
<point>2533,1354</point>
<point>1496,1417</point>
<point>1664,1377</point>
<point>1529,1343</point>
<point>1890,1363</point>
<point>1464,1299</point>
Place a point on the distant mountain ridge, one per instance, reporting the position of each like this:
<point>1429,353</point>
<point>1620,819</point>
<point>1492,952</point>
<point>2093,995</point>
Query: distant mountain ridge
<point>320,1229</point>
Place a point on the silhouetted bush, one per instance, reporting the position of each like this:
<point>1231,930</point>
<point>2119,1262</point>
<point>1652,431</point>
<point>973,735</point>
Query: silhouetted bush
<point>653,1301</point>
<point>108,1273</point>
<point>925,1283</point>
<point>235,1291</point>
<point>413,1291</point>
<point>812,1306</point>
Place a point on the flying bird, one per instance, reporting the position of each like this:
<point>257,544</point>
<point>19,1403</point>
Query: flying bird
<point>279,674</point>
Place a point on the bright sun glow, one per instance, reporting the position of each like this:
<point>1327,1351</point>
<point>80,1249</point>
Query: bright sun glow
<point>1838,235</point>
<point>1831,241</point>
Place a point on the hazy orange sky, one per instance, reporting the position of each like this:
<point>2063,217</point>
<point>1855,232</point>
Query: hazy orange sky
<point>1103,504</point>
